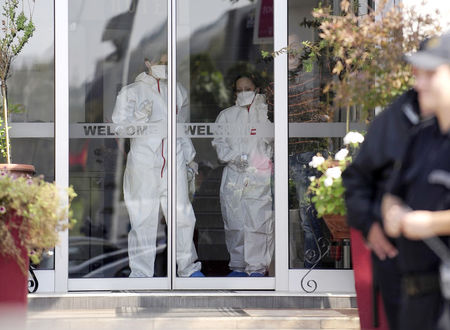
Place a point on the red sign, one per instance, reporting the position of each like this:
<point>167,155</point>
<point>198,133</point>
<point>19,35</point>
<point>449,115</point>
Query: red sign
<point>265,26</point>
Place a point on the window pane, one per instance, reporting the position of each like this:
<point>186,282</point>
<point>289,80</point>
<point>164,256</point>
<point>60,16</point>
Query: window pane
<point>227,123</point>
<point>31,100</point>
<point>312,127</point>
<point>117,158</point>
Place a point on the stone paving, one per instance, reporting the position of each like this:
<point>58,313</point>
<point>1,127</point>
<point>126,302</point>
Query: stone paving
<point>183,310</point>
<point>215,318</point>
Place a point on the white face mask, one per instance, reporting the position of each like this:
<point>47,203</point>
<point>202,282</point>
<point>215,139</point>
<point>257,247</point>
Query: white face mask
<point>159,71</point>
<point>245,98</point>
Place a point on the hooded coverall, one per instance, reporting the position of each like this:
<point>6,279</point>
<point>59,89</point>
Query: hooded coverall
<point>245,193</point>
<point>145,177</point>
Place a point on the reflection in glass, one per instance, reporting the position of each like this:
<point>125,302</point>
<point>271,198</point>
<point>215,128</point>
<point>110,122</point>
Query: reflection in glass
<point>230,194</point>
<point>108,42</point>
<point>310,244</point>
<point>31,101</point>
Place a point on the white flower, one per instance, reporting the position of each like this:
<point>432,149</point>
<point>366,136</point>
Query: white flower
<point>341,154</point>
<point>316,161</point>
<point>312,178</point>
<point>333,172</point>
<point>353,137</point>
<point>328,182</point>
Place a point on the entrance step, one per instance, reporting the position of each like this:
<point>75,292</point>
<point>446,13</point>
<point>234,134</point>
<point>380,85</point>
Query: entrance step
<point>220,318</point>
<point>186,299</point>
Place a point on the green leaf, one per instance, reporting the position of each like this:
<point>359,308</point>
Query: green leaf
<point>321,209</point>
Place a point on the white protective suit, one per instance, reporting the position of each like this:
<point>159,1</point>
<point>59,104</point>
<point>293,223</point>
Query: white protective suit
<point>245,192</point>
<point>145,178</point>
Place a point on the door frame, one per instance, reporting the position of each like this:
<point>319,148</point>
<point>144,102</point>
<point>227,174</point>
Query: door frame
<point>284,279</point>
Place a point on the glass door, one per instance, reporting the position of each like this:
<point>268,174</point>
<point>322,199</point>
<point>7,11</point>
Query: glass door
<point>318,262</point>
<point>173,114</point>
<point>146,88</point>
<point>224,196</point>
<point>118,146</point>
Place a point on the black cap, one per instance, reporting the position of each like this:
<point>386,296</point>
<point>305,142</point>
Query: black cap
<point>433,53</point>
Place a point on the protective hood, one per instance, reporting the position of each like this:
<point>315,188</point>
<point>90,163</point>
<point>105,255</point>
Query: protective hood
<point>146,78</point>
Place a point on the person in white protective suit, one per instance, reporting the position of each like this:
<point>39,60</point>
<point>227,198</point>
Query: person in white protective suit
<point>145,177</point>
<point>245,191</point>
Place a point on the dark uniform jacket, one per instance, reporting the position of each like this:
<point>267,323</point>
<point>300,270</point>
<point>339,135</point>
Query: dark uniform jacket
<point>423,183</point>
<point>366,178</point>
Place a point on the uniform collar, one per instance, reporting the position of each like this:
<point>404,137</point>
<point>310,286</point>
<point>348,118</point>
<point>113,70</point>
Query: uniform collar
<point>146,78</point>
<point>413,116</point>
<point>411,108</point>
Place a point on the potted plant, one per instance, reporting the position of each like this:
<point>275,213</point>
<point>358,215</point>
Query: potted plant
<point>327,189</point>
<point>32,212</point>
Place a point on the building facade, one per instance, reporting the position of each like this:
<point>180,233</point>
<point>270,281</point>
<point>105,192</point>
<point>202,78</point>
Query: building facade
<point>68,82</point>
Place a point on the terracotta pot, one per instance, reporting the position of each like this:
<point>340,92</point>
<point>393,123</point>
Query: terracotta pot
<point>18,169</point>
<point>337,224</point>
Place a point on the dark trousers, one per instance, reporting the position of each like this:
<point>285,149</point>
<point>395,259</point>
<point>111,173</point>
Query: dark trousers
<point>422,312</point>
<point>388,278</point>
<point>444,320</point>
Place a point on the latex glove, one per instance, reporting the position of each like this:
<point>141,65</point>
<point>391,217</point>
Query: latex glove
<point>190,174</point>
<point>194,166</point>
<point>244,161</point>
<point>241,162</point>
<point>145,110</point>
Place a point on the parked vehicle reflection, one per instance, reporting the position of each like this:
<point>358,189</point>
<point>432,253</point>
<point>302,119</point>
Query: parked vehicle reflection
<point>98,258</point>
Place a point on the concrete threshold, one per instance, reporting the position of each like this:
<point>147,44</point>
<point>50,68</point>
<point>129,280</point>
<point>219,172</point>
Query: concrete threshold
<point>220,318</point>
<point>191,299</point>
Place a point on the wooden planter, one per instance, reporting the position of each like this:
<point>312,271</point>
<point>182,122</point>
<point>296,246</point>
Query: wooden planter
<point>337,224</point>
<point>13,282</point>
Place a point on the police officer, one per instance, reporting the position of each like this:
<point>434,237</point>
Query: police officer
<point>422,182</point>
<point>366,181</point>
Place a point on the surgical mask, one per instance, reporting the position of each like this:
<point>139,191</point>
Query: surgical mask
<point>159,71</point>
<point>245,98</point>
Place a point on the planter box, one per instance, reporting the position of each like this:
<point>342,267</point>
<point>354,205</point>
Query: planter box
<point>337,224</point>
<point>13,282</point>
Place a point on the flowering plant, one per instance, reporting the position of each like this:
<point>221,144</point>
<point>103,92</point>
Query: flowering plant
<point>32,213</point>
<point>327,190</point>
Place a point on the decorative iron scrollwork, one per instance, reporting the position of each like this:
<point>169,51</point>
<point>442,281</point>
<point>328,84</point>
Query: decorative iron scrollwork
<point>33,283</point>
<point>312,257</point>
